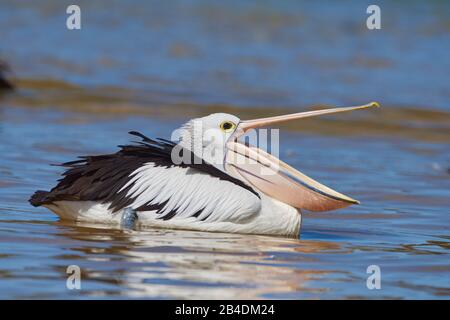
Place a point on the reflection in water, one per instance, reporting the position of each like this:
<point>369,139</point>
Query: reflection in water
<point>185,264</point>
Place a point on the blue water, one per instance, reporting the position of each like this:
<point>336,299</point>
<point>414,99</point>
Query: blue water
<point>150,67</point>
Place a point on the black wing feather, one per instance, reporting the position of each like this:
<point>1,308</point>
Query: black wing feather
<point>99,178</point>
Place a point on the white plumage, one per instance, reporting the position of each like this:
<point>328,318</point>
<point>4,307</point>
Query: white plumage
<point>187,191</point>
<point>226,206</point>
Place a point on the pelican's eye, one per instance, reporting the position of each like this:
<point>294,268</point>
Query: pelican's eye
<point>227,126</point>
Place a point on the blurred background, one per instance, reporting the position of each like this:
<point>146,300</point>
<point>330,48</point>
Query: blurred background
<point>150,66</point>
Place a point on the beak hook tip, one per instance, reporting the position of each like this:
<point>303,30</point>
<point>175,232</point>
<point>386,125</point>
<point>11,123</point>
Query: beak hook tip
<point>374,104</point>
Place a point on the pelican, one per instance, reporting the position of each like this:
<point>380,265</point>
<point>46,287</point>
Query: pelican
<point>204,180</point>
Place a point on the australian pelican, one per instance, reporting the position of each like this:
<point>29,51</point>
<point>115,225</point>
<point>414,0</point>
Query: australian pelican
<point>206,180</point>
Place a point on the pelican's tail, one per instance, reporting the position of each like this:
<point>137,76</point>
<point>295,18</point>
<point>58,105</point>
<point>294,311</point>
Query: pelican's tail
<point>39,198</point>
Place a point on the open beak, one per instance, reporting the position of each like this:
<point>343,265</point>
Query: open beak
<point>277,179</point>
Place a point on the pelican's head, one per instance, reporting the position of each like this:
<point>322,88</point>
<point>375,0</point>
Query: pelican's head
<point>215,139</point>
<point>207,136</point>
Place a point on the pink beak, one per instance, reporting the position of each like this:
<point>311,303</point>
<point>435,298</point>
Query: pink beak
<point>277,179</point>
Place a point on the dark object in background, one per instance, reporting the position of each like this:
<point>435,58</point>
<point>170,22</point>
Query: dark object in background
<point>4,83</point>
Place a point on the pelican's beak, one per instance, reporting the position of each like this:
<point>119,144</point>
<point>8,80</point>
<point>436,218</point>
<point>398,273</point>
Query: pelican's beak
<point>277,179</point>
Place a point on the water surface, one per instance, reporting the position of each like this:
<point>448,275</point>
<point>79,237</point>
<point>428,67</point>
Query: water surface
<point>151,67</point>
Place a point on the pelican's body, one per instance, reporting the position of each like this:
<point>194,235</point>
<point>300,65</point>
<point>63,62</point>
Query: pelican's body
<point>271,217</point>
<point>203,182</point>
